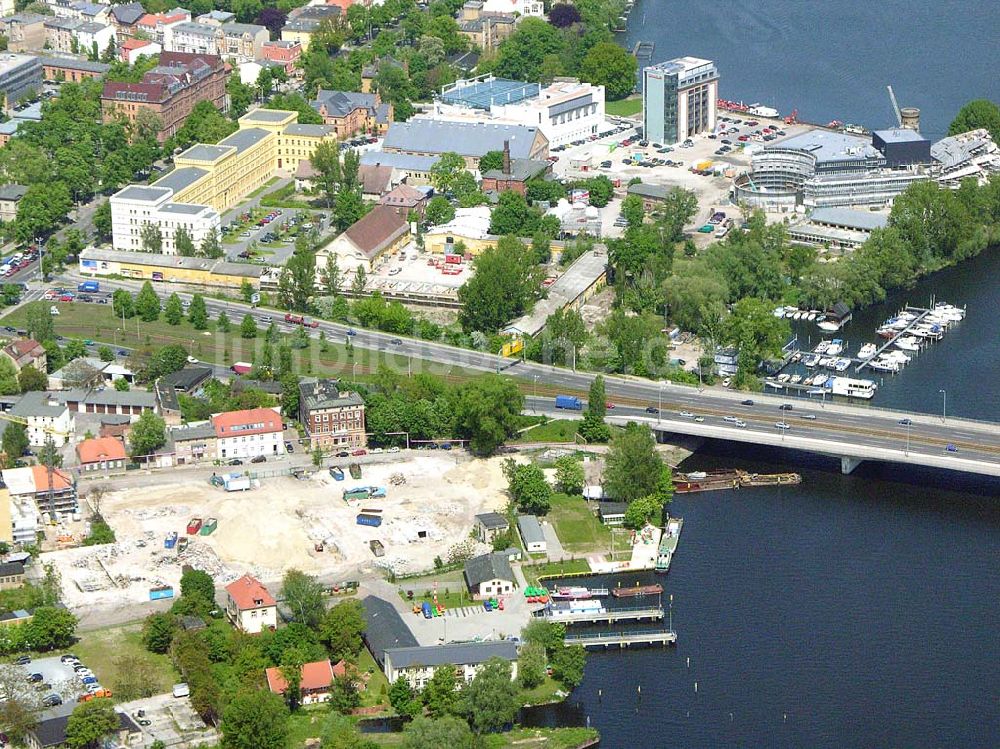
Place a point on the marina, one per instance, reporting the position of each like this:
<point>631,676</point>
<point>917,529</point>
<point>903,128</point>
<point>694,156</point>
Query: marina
<point>601,614</point>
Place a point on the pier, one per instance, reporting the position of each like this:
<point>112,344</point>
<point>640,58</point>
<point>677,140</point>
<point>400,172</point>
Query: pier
<point>643,50</point>
<point>920,315</point>
<point>624,639</point>
<point>637,613</point>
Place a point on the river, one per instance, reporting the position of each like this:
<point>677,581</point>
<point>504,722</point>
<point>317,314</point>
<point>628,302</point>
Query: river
<point>832,60</point>
<point>848,611</point>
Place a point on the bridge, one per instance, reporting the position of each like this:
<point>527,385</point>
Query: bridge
<point>852,433</point>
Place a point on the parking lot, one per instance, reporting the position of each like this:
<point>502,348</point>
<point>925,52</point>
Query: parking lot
<point>274,244</point>
<point>171,720</point>
<point>57,678</point>
<point>410,271</point>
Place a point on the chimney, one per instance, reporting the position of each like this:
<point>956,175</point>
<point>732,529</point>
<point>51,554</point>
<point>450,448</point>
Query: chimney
<point>506,157</point>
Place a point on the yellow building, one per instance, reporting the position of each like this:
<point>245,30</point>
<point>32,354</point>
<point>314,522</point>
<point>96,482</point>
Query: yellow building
<point>211,179</point>
<point>471,227</point>
<point>6,528</point>
<point>147,266</point>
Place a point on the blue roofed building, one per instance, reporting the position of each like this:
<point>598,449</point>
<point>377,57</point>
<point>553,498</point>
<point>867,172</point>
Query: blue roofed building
<point>471,140</point>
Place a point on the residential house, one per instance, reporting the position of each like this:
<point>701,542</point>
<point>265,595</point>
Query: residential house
<point>612,513</point>
<point>193,443</point>
<point>414,170</point>
<point>11,575</point>
<point>305,176</point>
<point>531,534</point>
<point>249,433</point>
<point>216,18</point>
<point>333,418</point>
<point>305,22</point>
<point>471,140</point>
<point>24,31</point>
<point>489,575</point>
<point>60,34</point>
<point>379,233</point>
<point>405,200</point>
<point>315,680</point>
<point>351,112</point>
<point>158,27</point>
<point>196,39</point>
<point>44,415</point>
<point>487,30</point>
<point>101,454</point>
<point>91,35</point>
<point>285,53</point>
<point>88,372</point>
<point>249,606</point>
<point>376,180</point>
<point>125,18</point>
<point>50,732</point>
<point>133,49</point>
<point>10,196</point>
<point>514,175</point>
<point>418,664</point>
<point>29,486</point>
<point>243,42</point>
<point>489,525</point>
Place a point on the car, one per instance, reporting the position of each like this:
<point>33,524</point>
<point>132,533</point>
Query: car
<point>69,658</point>
<point>289,446</point>
<point>52,700</point>
<point>652,410</point>
<point>181,690</point>
<point>36,677</point>
<point>259,459</point>
<point>394,449</point>
<point>359,451</point>
<point>191,360</point>
<point>80,667</point>
<point>351,331</point>
<point>144,722</point>
<point>740,423</point>
<point>22,660</point>
<point>377,451</point>
<point>699,419</point>
<point>446,446</point>
<point>811,417</point>
<point>730,419</point>
<point>122,352</point>
<point>609,405</point>
<point>786,407</point>
<point>396,341</point>
<point>746,402</point>
<point>905,422</point>
<point>266,318</point>
<point>235,462</point>
<point>951,448</point>
<point>687,414</point>
<point>66,298</point>
<point>781,425</point>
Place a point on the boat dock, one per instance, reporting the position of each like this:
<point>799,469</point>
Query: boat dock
<point>624,639</point>
<point>637,591</point>
<point>643,50</point>
<point>668,544</point>
<point>920,315</point>
<point>631,614</point>
<point>708,481</point>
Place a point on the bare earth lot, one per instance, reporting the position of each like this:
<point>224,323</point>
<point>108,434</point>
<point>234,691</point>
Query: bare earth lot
<point>275,527</point>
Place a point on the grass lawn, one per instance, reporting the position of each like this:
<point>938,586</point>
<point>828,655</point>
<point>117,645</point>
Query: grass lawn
<point>544,692</point>
<point>624,107</point>
<point>578,528</point>
<point>373,694</point>
<point>522,738</point>
<point>557,430</point>
<point>568,567</point>
<point>450,595</point>
<point>305,723</point>
<point>101,649</point>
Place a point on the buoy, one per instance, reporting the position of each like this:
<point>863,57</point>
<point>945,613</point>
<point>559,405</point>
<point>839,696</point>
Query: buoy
<point>689,661</point>
<point>696,687</point>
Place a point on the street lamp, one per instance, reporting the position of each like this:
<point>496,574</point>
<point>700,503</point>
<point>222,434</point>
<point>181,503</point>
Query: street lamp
<point>534,379</point>
<point>944,404</point>
<point>659,402</point>
<point>354,370</point>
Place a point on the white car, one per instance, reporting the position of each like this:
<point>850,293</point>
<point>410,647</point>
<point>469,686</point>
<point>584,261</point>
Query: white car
<point>730,419</point>
<point>394,449</point>
<point>377,451</point>
<point>181,690</point>
<point>740,423</point>
<point>687,414</point>
<point>781,425</point>
<point>699,419</point>
<point>192,360</point>
<point>811,417</point>
<point>53,310</point>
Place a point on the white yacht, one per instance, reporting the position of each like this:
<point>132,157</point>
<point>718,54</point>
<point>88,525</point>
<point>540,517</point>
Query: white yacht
<point>836,346</point>
<point>867,351</point>
<point>821,347</point>
<point>884,365</point>
<point>907,343</point>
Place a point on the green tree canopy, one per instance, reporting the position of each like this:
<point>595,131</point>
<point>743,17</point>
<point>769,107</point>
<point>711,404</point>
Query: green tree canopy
<point>304,597</point>
<point>527,486</point>
<point>506,280</point>
<point>632,468</point>
<point>341,629</point>
<point>978,113</point>
<point>90,722</point>
<point>608,64</point>
<point>255,720</point>
<point>147,303</point>
<point>487,412</point>
<point>149,433</point>
<point>490,698</point>
<point>448,731</point>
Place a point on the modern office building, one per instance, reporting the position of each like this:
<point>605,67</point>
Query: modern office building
<point>210,179</point>
<point>679,99</point>
<point>19,75</point>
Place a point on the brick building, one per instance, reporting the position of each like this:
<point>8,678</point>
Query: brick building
<point>170,91</point>
<point>332,418</point>
<point>351,112</point>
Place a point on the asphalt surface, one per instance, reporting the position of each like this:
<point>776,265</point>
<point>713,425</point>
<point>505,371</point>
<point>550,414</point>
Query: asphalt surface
<point>836,422</point>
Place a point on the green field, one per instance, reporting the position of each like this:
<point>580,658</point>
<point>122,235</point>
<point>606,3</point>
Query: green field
<point>578,528</point>
<point>107,652</point>
<point>567,567</point>
<point>557,430</point>
<point>624,107</point>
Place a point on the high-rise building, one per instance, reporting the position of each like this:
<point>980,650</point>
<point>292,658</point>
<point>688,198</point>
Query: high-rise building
<point>679,99</point>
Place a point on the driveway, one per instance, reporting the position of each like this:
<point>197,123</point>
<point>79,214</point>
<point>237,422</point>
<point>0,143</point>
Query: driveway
<point>553,547</point>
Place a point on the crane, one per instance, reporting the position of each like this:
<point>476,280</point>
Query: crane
<point>895,106</point>
<point>49,468</point>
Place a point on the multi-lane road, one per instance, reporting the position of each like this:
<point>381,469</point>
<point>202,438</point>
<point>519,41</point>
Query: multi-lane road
<point>838,429</point>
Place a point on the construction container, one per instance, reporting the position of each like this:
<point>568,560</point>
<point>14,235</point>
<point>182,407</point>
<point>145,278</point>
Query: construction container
<point>209,527</point>
<point>373,520</point>
<point>170,541</point>
<point>377,548</point>
<point>164,591</point>
<point>360,492</point>
<point>355,470</point>
<point>193,526</point>
<point>337,473</point>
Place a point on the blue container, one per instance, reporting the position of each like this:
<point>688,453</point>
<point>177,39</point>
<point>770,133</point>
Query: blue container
<point>373,520</point>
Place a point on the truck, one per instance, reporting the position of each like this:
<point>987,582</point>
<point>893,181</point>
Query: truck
<point>235,482</point>
<point>295,319</point>
<point>242,368</point>
<point>209,527</point>
<point>372,520</point>
<point>89,286</point>
<point>570,402</point>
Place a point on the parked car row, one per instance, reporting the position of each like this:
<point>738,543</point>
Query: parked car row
<point>18,262</point>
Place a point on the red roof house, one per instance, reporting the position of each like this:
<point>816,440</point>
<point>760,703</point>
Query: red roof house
<point>316,680</point>
<point>250,606</point>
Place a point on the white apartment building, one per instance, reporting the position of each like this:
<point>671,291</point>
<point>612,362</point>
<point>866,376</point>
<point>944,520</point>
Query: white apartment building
<point>418,664</point>
<point>89,34</point>
<point>195,38</point>
<point>249,433</point>
<point>134,206</point>
<point>565,110</point>
<point>45,416</point>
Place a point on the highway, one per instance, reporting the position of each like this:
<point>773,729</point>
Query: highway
<point>838,429</point>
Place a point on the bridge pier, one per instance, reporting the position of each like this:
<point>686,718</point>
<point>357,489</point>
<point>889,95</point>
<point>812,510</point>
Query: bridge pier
<point>847,465</point>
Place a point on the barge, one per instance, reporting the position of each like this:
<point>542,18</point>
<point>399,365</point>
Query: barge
<point>668,544</point>
<point>637,591</point>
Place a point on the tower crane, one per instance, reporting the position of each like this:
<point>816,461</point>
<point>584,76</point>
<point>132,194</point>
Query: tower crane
<point>895,106</point>
<point>50,469</point>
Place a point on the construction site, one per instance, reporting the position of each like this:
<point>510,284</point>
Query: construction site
<point>417,508</point>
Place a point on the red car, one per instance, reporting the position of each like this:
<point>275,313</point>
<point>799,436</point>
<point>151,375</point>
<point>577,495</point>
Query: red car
<point>609,404</point>
<point>66,298</point>
<point>360,451</point>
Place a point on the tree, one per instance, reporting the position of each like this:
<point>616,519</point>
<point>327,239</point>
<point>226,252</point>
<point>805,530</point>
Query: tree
<point>448,731</point>
<point>359,282</point>
<point>978,113</point>
<point>593,428</point>
<point>136,678</point>
<point>296,283</point>
<point>248,328</point>
<point>491,160</point>
<point>158,630</point>
<point>505,281</point>
<point>39,323</point>
<point>15,441</point>
<point>634,339</point>
<point>609,65</point>
<point>198,584</point>
<point>439,211</point>
<point>304,596</point>
<point>51,628</point>
<point>74,349</point>
<point>292,661</point>
<point>102,221</point>
<point>565,333</point>
<point>183,243</point>
<point>42,208</point>
<point>531,662</point>
<point>568,663</point>
<point>344,695</point>
<point>170,358</point>
<point>147,303</point>
<point>152,239</point>
<point>210,246</point>
<point>174,312</point>
<point>341,733</point>
<point>512,215</point>
<point>197,313</point>
<point>222,323</point>
<point>487,411</point>
<point>640,511</point>
<point>527,486</point>
<point>490,698</point>
<point>30,379</point>
<point>20,706</point>
<point>205,124</point>
<point>754,330</point>
<point>632,468</point>
<point>341,629</point>
<point>549,635</point>
<point>9,384</point>
<point>326,162</point>
<point>255,720</point>
<point>331,276</point>
<point>563,15</point>
<point>522,54</point>
<point>122,304</point>
<point>569,475</point>
<point>90,722</point>
<point>444,173</point>
<point>149,433</point>
<point>441,695</point>
<point>401,695</point>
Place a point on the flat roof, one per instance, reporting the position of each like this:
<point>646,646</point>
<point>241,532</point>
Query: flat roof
<point>484,94</point>
<point>531,529</point>
<point>863,220</point>
<point>464,138</point>
<point>141,192</point>
<point>899,135</point>
<point>203,152</point>
<point>219,267</point>
<point>314,130</point>
<point>266,115</point>
<point>178,179</point>
<point>243,139</point>
<point>183,209</point>
<point>826,145</point>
